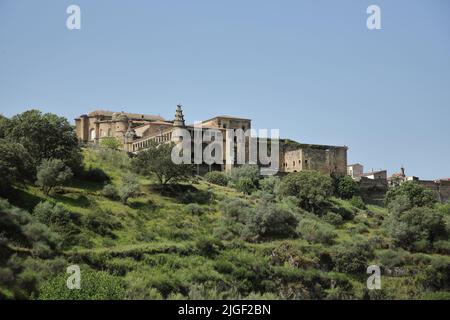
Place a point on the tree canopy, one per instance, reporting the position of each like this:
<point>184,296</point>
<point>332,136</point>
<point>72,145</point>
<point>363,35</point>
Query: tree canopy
<point>16,165</point>
<point>45,136</point>
<point>156,161</point>
<point>311,188</point>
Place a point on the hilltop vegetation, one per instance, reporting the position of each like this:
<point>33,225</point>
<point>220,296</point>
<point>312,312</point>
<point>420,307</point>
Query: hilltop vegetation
<point>222,236</point>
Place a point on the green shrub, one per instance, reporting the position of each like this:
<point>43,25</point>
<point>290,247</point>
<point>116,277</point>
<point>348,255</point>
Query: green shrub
<point>16,166</point>
<point>129,187</point>
<point>197,196</point>
<point>96,175</point>
<point>94,286</point>
<point>315,231</point>
<point>245,185</point>
<point>52,173</point>
<point>442,247</point>
<point>114,158</point>
<point>194,209</point>
<point>346,187</point>
<point>416,228</point>
<point>217,177</point>
<point>436,276</point>
<point>270,221</point>
<point>311,188</point>
<point>209,247</point>
<point>352,257</point>
<point>110,191</point>
<point>444,208</point>
<point>357,202</point>
<point>418,195</point>
<point>333,218</point>
<point>101,222</point>
<point>246,171</point>
<point>392,258</point>
<point>270,184</point>
<point>110,143</point>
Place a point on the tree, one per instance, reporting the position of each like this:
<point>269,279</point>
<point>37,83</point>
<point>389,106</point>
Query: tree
<point>16,165</point>
<point>418,195</point>
<point>217,177</point>
<point>246,171</point>
<point>129,187</point>
<point>52,173</point>
<point>270,221</point>
<point>352,257</point>
<point>346,187</point>
<point>245,185</point>
<point>157,161</point>
<point>419,224</point>
<point>20,229</point>
<point>110,143</point>
<point>4,126</point>
<point>270,184</point>
<point>46,136</point>
<point>315,231</point>
<point>311,188</point>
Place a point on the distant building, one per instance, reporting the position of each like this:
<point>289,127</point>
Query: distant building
<point>355,170</point>
<point>440,187</point>
<point>400,177</point>
<point>376,175</point>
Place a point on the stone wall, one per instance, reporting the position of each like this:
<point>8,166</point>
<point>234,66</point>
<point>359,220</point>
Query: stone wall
<point>440,188</point>
<point>373,191</point>
<point>325,159</point>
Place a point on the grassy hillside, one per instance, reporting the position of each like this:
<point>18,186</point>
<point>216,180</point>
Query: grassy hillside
<point>168,244</point>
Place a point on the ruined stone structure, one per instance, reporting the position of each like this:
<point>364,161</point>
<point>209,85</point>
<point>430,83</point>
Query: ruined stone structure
<point>295,157</point>
<point>440,188</point>
<point>136,131</point>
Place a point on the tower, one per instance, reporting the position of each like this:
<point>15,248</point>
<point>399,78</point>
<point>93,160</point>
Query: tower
<point>178,125</point>
<point>130,135</point>
<point>179,117</point>
<point>121,125</point>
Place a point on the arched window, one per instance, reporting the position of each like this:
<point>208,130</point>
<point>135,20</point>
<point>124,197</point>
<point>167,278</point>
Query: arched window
<point>92,135</point>
<point>109,132</point>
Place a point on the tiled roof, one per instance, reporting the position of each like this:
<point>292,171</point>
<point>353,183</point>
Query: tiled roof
<point>133,116</point>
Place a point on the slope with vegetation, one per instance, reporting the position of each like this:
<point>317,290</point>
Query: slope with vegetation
<point>142,228</point>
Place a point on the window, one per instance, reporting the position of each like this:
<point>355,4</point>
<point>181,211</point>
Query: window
<point>92,134</point>
<point>293,163</point>
<point>306,161</point>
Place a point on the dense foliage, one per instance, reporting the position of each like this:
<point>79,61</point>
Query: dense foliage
<point>45,136</point>
<point>311,188</point>
<point>235,235</point>
<point>156,161</point>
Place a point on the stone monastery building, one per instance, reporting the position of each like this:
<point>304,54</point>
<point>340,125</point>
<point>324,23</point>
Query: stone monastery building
<point>136,131</point>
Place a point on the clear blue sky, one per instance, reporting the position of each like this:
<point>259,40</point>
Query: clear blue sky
<point>310,68</point>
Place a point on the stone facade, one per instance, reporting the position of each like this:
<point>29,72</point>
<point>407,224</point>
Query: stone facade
<point>440,188</point>
<point>355,170</point>
<point>100,124</point>
<point>330,160</point>
<point>136,131</point>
